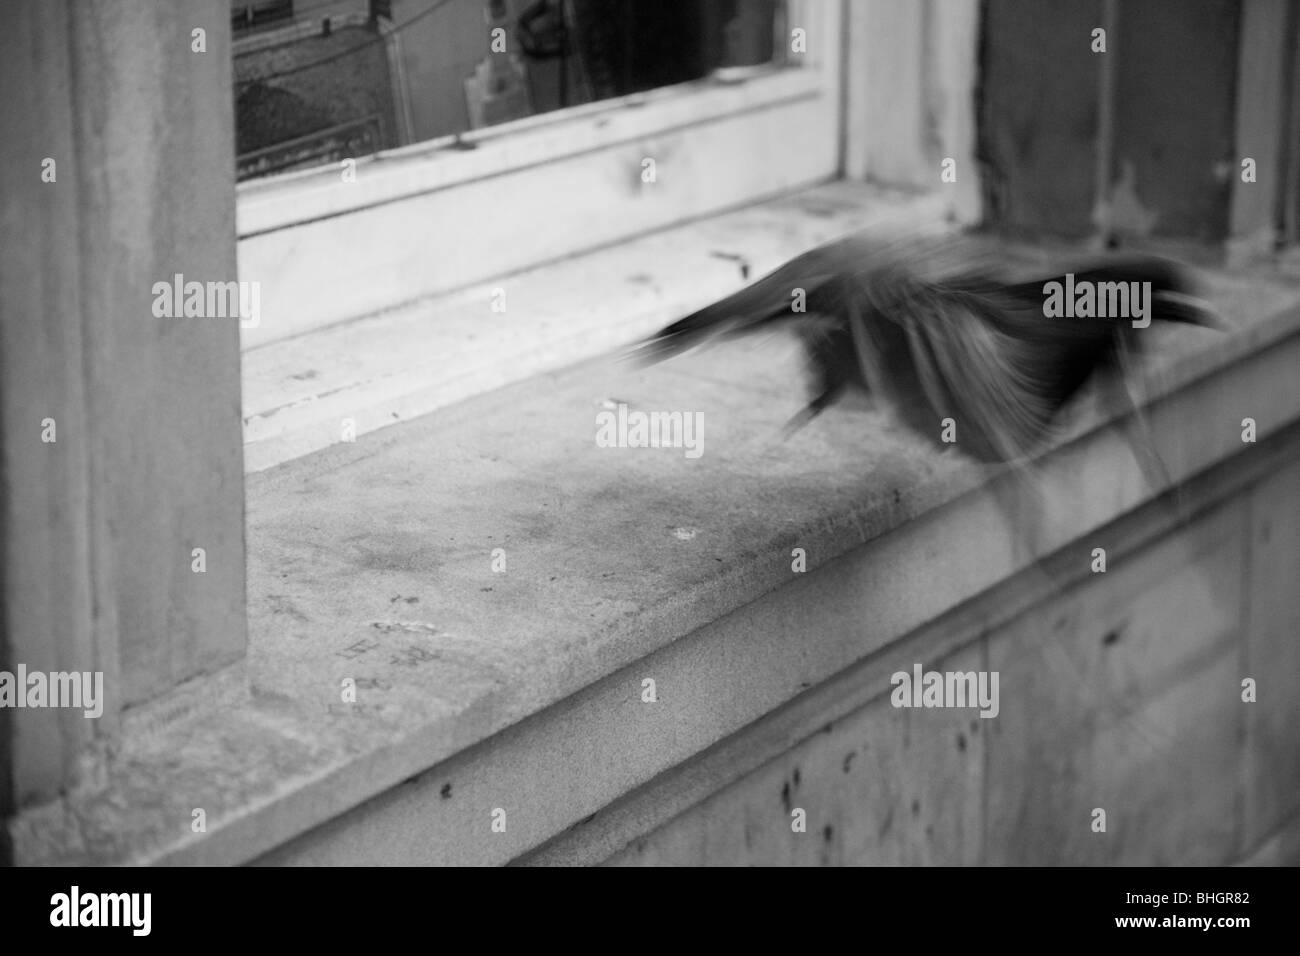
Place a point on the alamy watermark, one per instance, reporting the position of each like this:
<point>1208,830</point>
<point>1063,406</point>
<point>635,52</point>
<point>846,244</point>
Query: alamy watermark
<point>209,300</point>
<point>77,689</point>
<point>631,429</point>
<point>1098,300</point>
<point>946,689</point>
<point>76,908</point>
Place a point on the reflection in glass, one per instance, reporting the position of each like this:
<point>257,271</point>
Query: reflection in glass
<point>317,81</point>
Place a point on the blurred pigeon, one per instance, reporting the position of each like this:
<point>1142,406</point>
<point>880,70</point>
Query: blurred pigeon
<point>938,328</point>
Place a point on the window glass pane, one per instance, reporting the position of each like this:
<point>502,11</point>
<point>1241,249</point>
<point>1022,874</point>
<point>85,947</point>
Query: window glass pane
<point>317,81</point>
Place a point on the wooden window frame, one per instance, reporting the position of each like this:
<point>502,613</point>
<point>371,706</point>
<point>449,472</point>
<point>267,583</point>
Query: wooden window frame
<point>250,27</point>
<point>328,251</point>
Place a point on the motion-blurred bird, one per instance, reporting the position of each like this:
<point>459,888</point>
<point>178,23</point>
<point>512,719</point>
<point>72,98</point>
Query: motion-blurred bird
<point>936,329</point>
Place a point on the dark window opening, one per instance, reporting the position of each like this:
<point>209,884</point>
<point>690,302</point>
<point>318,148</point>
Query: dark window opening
<point>252,16</point>
<point>444,67</point>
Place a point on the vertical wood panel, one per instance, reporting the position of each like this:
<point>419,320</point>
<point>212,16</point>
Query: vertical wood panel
<point>1273,657</point>
<point>1261,99</point>
<point>99,526</point>
<point>155,142</point>
<point>910,76</point>
<point>882,786</point>
<point>1038,114</point>
<point>1175,116</point>
<point>886,140</point>
<point>45,597</point>
<point>1175,101</point>
<point>1122,696</point>
<point>954,64</point>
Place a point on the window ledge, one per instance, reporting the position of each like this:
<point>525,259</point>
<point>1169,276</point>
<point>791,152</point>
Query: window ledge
<point>374,561</point>
<point>289,199</point>
<point>405,362</point>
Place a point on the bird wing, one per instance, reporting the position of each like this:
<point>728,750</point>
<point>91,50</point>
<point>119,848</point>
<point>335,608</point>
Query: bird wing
<point>934,327</point>
<point>827,275</point>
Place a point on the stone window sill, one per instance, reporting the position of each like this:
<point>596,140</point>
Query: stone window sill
<point>373,561</point>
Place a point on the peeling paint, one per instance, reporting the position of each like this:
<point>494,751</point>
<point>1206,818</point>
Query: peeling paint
<point>1124,213</point>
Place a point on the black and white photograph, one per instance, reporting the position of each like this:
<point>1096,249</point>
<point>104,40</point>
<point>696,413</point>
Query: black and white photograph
<point>650,433</point>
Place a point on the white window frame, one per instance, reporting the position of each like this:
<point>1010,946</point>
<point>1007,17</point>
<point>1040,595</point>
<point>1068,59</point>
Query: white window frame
<point>426,219</point>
